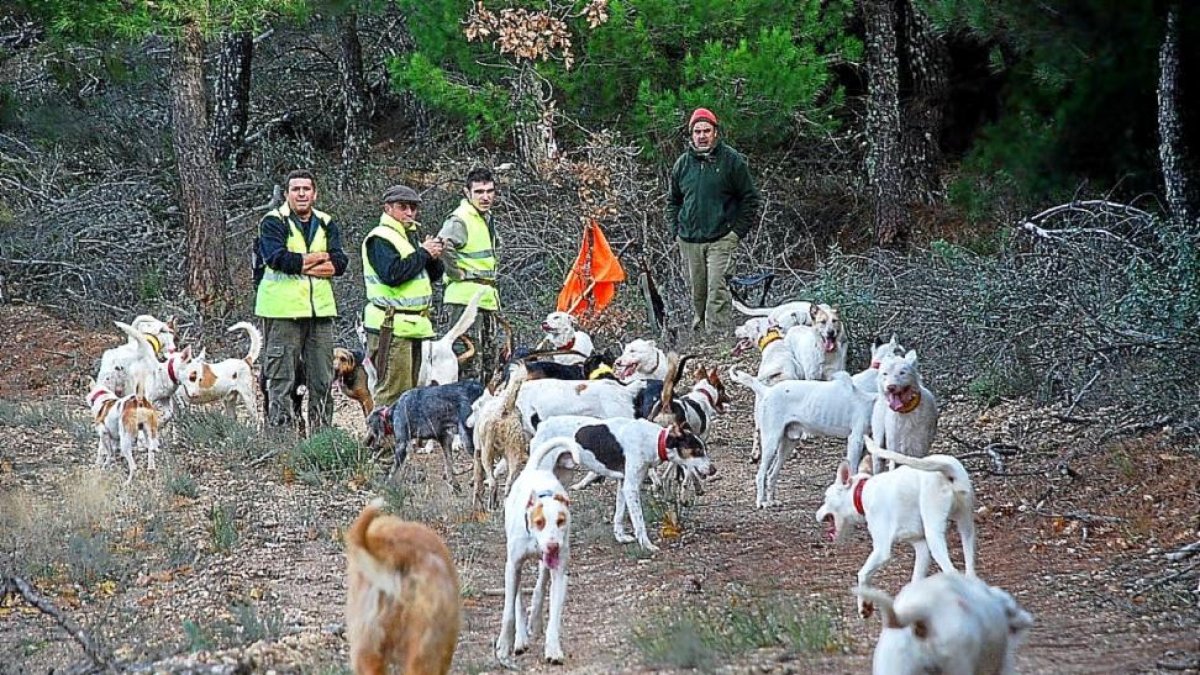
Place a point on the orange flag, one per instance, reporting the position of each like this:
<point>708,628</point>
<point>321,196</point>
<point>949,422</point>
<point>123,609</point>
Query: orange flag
<point>592,281</point>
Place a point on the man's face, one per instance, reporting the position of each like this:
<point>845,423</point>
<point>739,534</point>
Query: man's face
<point>481,195</point>
<point>301,194</point>
<point>704,135</point>
<point>401,211</point>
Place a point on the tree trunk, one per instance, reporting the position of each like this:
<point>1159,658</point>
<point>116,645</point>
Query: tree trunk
<point>924,109</point>
<point>535,122</point>
<point>1171,148</point>
<point>883,123</point>
<point>231,94</point>
<point>201,191</point>
<point>356,134</point>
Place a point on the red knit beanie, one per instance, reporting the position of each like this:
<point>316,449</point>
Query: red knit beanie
<point>702,114</point>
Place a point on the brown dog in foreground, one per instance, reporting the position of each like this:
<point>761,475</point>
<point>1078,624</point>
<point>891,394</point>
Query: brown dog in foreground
<point>402,607</point>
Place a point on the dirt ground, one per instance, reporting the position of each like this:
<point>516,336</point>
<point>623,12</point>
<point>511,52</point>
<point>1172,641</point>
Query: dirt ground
<point>1079,535</point>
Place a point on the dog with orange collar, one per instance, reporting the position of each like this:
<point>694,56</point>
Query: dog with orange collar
<point>905,417</point>
<point>628,449</point>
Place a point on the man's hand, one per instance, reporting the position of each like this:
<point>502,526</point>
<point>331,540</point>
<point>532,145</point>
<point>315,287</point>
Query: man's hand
<point>322,269</point>
<point>313,259</point>
<point>433,246</point>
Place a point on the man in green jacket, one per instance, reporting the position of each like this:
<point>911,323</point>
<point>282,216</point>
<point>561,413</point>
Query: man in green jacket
<point>302,251</point>
<point>710,207</point>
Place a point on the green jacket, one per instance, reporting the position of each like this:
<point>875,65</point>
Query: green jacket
<point>711,195</point>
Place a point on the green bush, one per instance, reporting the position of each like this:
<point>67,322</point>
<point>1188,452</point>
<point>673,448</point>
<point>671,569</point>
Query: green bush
<point>329,453</point>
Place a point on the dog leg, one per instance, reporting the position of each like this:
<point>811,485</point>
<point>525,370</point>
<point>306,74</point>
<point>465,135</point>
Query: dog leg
<point>921,559</point>
<point>537,601</point>
<point>127,443</point>
<point>881,553</point>
<point>558,598</point>
<point>588,478</point>
<point>966,532</point>
<point>512,580</point>
<point>619,531</point>
<point>633,499</point>
<point>936,541</point>
<point>446,441</point>
<point>521,642</point>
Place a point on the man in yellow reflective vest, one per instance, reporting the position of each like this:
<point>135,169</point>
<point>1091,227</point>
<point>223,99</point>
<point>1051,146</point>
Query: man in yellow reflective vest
<point>470,261</point>
<point>399,270</point>
<point>301,248</point>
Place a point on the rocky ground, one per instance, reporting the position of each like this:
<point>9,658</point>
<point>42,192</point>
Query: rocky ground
<point>222,556</point>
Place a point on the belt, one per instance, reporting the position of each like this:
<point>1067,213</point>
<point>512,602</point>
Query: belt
<point>482,282</point>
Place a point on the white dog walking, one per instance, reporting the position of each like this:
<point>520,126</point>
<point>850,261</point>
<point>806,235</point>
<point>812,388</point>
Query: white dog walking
<point>947,623</point>
<point>537,523</point>
<point>911,504</point>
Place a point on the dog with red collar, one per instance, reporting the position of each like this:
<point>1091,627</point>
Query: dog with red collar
<point>628,449</point>
<point>563,334</point>
<point>912,503</point>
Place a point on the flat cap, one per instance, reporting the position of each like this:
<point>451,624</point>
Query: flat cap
<point>401,193</point>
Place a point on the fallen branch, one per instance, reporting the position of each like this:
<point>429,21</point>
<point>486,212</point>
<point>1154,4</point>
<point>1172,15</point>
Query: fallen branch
<point>1183,553</point>
<point>98,655</point>
<point>1082,516</point>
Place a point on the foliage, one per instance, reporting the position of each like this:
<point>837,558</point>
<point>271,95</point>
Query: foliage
<point>136,19</point>
<point>329,452</point>
<point>757,64</point>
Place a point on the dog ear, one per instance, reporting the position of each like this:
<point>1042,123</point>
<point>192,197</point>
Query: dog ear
<point>714,377</point>
<point>171,323</point>
<point>566,501</point>
<point>911,357</point>
<point>843,473</point>
<point>813,310</point>
<point>186,354</point>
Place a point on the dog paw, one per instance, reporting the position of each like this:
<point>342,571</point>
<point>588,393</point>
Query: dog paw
<point>624,538</point>
<point>649,546</point>
<point>865,609</point>
<point>556,659</point>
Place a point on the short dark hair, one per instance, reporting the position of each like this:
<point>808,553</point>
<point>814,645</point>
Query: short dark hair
<point>299,173</point>
<point>479,174</point>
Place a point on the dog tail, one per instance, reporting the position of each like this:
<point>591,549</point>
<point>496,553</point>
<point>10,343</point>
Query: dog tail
<point>749,381</point>
<point>356,536</point>
<point>946,465</point>
<point>145,351</point>
<point>547,455</point>
<point>256,339</point>
<point>464,322</point>
<point>752,311</point>
<point>516,377</point>
<point>884,603</point>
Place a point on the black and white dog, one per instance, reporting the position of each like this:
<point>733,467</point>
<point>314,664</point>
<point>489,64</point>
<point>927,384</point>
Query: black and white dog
<point>436,412</point>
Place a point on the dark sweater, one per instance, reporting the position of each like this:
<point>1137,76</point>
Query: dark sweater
<point>394,270</point>
<point>273,235</point>
<point>711,195</point>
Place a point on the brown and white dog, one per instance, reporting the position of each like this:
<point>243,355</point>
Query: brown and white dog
<point>231,380</point>
<point>402,605</point>
<point>354,379</point>
<point>818,349</point>
<point>120,421</point>
<point>563,334</point>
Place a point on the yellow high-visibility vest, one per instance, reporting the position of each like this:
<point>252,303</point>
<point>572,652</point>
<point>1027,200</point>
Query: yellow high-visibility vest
<point>477,260</point>
<point>297,296</point>
<point>410,300</point>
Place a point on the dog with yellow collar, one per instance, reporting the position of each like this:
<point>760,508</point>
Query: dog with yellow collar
<point>148,339</point>
<point>905,416</point>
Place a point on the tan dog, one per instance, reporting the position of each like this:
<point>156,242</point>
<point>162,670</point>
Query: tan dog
<point>498,431</point>
<point>402,607</point>
<point>352,376</point>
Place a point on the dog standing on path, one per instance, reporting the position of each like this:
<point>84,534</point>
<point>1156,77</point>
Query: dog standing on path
<point>905,418</point>
<point>912,503</point>
<point>403,604</point>
<point>120,422</point>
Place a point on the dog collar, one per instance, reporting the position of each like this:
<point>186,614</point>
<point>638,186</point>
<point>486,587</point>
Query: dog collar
<point>171,371</point>
<point>155,343</point>
<point>569,345</point>
<point>386,414</point>
<point>858,505</point>
<point>911,405</point>
<point>769,337</point>
<point>95,396</point>
<point>662,445</point>
<point>600,371</point>
<point>711,400</point>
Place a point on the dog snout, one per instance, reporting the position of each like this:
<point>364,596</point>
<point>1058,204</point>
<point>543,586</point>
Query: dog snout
<point>546,327</point>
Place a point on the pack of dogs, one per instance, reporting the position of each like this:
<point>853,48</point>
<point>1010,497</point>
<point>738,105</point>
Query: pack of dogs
<point>633,419</point>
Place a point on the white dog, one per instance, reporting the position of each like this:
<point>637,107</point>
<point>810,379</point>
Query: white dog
<point>562,332</point>
<point>948,623</point>
<point>818,349</point>
<point>539,400</point>
<point>868,379</point>
<point>910,504</point>
<point>796,407</point>
<point>231,380</point>
<point>781,316</point>
<point>120,422</point>
<point>905,418</point>
<point>439,363</point>
<point>124,368</point>
<point>537,524</point>
<point>641,360</point>
<point>629,448</point>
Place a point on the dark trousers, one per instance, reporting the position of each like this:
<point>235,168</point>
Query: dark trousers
<point>299,349</point>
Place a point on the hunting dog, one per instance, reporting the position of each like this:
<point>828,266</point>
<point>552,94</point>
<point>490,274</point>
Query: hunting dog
<point>437,413</point>
<point>948,623</point>
<point>125,367</point>
<point>402,600</point>
<point>783,316</point>
<point>537,524</point>
<point>353,377</point>
<point>905,418</point>
<point>792,408</point>
<point>540,400</point>
<point>163,380</point>
<point>439,363</point>
<point>597,366</point>
<point>496,423</point>
<point>641,360</point>
<point>563,333</point>
<point>819,348</point>
<point>230,381</point>
<point>868,379</point>
<point>748,333</point>
<point>909,504</point>
<point>628,449</point>
<point>120,422</point>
